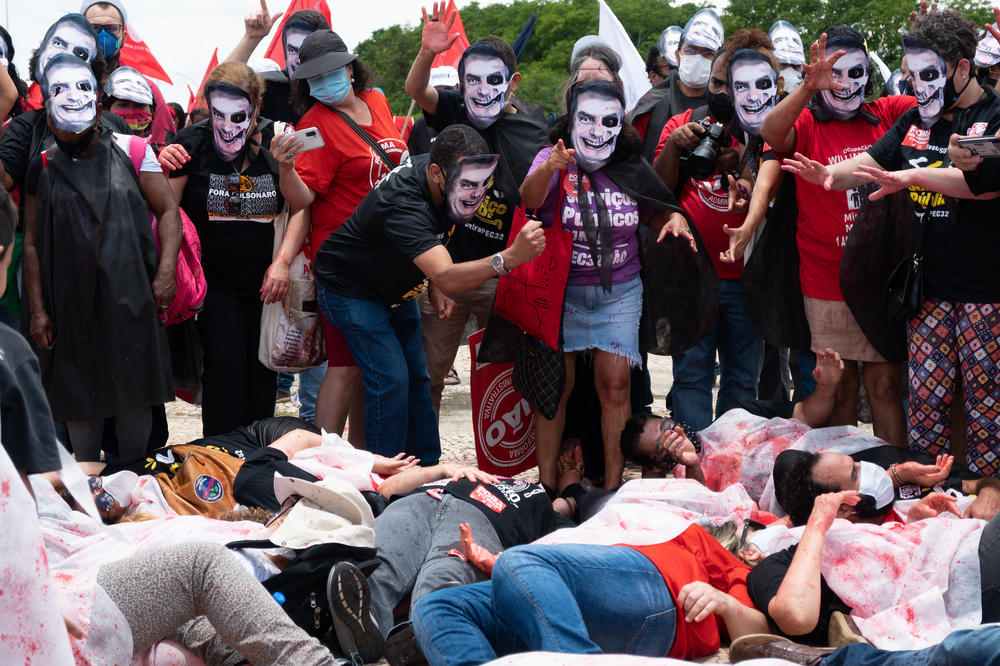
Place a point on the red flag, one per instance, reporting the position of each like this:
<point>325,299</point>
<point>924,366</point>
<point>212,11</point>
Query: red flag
<point>275,51</point>
<point>454,54</point>
<point>137,55</point>
<point>212,64</point>
<point>192,98</point>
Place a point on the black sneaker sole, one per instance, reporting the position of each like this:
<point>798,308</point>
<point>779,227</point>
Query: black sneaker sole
<point>350,605</point>
<point>401,647</point>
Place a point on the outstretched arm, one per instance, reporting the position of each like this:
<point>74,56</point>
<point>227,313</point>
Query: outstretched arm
<point>779,126</point>
<point>257,26</point>
<point>840,176</point>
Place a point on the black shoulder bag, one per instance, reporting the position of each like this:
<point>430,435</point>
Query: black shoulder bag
<point>905,288</point>
<point>367,138</point>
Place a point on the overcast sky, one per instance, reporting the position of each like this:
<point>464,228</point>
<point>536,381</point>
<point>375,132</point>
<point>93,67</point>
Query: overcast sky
<point>183,33</point>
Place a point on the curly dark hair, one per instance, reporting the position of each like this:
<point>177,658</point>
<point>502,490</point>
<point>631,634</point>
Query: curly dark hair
<point>629,142</point>
<point>796,491</point>
<point>454,143</point>
<point>629,442</point>
<point>952,35</point>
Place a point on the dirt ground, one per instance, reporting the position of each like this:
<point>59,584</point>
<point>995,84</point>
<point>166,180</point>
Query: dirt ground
<point>457,443</point>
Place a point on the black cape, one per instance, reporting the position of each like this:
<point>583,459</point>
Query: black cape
<point>98,258</point>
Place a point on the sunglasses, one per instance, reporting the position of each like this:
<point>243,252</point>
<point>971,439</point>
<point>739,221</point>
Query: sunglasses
<point>747,524</point>
<point>284,509</point>
<point>234,200</point>
<point>103,500</point>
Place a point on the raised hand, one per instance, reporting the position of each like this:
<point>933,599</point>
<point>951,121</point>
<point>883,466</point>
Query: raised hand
<point>923,10</point>
<point>818,74</point>
<point>827,506</point>
<point>257,25</point>
<point>829,367</point>
<point>809,170</point>
<point>437,36</point>
<point>991,27</point>
<point>739,195</point>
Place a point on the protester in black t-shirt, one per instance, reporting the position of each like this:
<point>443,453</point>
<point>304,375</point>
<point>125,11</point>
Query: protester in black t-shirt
<point>370,270</point>
<point>487,77</point>
<point>958,325</point>
<point>227,182</point>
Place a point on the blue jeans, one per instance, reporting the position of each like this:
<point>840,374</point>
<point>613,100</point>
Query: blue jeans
<point>387,346</point>
<point>741,353</point>
<point>309,381</point>
<point>568,598</point>
<point>967,647</point>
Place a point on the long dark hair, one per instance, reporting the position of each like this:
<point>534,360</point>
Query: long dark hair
<point>629,143</point>
<point>302,99</point>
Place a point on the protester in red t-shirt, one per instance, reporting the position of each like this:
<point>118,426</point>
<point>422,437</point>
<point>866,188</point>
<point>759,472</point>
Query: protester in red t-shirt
<point>669,599</point>
<point>707,201</point>
<point>333,180</point>
<point>838,125</point>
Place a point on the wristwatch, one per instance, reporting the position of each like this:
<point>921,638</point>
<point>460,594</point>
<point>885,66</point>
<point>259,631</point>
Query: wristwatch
<point>496,261</point>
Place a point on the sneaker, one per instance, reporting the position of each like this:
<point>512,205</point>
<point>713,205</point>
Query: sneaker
<point>350,604</point>
<point>401,647</point>
<point>765,646</point>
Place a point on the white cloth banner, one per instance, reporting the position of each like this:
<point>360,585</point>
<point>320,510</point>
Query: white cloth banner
<point>633,71</point>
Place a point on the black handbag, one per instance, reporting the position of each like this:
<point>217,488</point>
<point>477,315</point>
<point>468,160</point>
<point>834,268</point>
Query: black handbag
<point>905,288</point>
<point>540,375</point>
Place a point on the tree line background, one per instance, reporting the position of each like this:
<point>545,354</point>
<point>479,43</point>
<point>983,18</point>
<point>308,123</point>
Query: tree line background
<point>544,64</point>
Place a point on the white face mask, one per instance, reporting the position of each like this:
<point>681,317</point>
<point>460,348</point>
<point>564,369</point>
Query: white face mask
<point>764,539</point>
<point>694,70</point>
<point>851,71</point>
<point>875,481</point>
<point>928,76</point>
<point>594,129</point>
<point>793,78</point>
<point>484,87</point>
<point>72,97</point>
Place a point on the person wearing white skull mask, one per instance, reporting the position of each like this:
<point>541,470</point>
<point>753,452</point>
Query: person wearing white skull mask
<point>754,87</point>
<point>927,77</point>
<point>228,185</point>
<point>740,90</point>
<point>111,280</point>
<point>466,187</point>
<point>825,120</point>
<point>959,272</point>
<point>515,133</point>
<point>686,86</point>
<point>668,43</point>
<point>128,95</point>
<point>579,184</point>
<point>484,79</point>
<point>788,51</point>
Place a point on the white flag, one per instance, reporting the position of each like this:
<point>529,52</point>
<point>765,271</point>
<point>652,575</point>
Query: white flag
<point>633,71</point>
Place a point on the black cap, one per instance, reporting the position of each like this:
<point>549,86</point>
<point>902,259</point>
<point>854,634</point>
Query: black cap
<point>322,52</point>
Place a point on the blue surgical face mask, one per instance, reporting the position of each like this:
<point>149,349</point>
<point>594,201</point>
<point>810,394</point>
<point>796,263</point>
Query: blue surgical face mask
<point>332,88</point>
<point>108,44</point>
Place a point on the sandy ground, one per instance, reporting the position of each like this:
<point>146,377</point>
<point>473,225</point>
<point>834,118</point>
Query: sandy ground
<point>457,443</point>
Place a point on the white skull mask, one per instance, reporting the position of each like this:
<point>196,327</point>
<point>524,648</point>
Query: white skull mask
<point>594,128</point>
<point>485,80</point>
<point>928,77</point>
<point>65,36</point>
<point>127,83</point>
<point>754,87</point>
<point>704,29</point>
<point>71,95</point>
<point>231,115</point>
<point>852,72</point>
<point>466,186</point>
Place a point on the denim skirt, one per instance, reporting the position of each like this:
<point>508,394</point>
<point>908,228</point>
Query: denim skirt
<point>594,319</point>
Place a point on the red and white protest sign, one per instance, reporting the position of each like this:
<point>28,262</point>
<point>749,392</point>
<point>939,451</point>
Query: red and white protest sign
<point>502,421</point>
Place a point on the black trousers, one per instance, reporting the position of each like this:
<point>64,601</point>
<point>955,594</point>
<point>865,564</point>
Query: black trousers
<point>236,388</point>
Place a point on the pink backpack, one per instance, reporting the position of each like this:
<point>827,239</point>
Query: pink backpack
<point>189,278</point>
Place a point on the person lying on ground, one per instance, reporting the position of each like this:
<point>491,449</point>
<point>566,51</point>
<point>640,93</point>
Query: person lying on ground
<point>682,594</point>
<point>789,588</point>
<point>210,476</point>
<point>882,474</point>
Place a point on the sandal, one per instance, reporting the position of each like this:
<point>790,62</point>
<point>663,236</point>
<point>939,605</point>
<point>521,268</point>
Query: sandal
<point>452,378</point>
